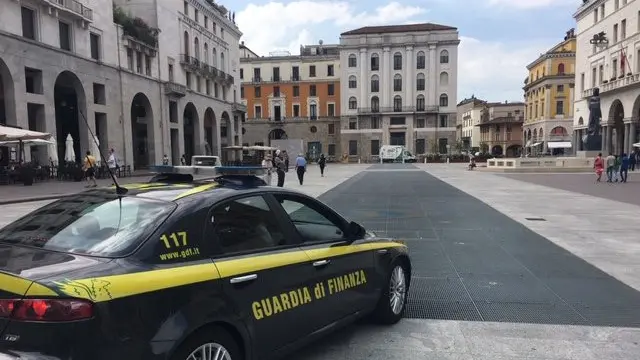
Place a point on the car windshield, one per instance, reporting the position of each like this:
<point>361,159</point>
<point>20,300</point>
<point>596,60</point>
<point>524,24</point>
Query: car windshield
<point>91,224</point>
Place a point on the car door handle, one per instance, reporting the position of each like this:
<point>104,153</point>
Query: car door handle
<point>382,251</point>
<point>321,263</point>
<point>242,279</point>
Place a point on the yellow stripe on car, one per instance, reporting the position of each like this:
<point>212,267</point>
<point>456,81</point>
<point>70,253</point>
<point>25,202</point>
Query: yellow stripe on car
<point>197,190</point>
<point>19,286</point>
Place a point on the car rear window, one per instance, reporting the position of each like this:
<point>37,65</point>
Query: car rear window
<point>91,224</point>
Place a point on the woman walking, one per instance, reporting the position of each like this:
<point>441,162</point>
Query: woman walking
<point>322,162</point>
<point>598,165</point>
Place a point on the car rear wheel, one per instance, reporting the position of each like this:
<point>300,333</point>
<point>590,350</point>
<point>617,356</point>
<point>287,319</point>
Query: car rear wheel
<point>209,344</point>
<point>393,300</point>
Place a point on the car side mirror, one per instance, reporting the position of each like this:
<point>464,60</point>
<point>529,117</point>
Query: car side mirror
<point>355,231</point>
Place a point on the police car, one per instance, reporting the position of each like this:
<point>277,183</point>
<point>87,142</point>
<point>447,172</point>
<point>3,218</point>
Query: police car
<point>176,268</point>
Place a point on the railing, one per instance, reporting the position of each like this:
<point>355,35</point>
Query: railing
<point>276,79</point>
<point>553,137</point>
<point>175,89</point>
<point>186,59</point>
<point>230,79</point>
<point>239,107</point>
<point>75,7</point>
<point>620,82</point>
<point>295,78</point>
<point>374,110</point>
<point>256,79</point>
<point>430,108</point>
<point>398,109</point>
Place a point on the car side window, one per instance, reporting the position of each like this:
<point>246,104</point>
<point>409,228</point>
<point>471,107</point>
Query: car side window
<point>246,224</point>
<point>178,241</point>
<point>312,220</point>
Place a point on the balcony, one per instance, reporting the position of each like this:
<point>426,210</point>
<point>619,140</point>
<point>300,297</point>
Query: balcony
<point>71,7</point>
<point>397,109</point>
<point>229,80</point>
<point>553,137</point>
<point>620,83</point>
<point>190,63</point>
<point>428,109</point>
<point>368,111</point>
<point>256,79</point>
<point>174,89</point>
<point>238,107</point>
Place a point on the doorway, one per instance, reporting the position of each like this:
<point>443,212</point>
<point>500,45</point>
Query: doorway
<point>397,138</point>
<point>276,113</point>
<point>314,149</point>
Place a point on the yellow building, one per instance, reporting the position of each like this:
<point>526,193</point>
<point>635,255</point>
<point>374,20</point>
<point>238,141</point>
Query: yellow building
<point>548,95</point>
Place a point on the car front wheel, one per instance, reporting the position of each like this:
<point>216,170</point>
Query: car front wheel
<point>209,344</point>
<point>393,300</point>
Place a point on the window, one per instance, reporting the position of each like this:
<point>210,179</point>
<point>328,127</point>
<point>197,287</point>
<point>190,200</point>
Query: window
<point>33,80</point>
<point>331,89</point>
<point>444,121</point>
<point>601,73</point>
<point>312,71</point>
<point>330,71</point>
<point>375,84</point>
<point>186,8</point>
<point>614,68</point>
<point>314,221</point>
<point>595,16</point>
<point>444,57</point>
<point>397,82</point>
<point>258,111</point>
<point>296,90</point>
<point>560,88</point>
<point>296,110</point>
<point>313,111</point>
<point>147,65</point>
<point>375,104</point>
<point>353,103</point>
<point>331,129</point>
<point>420,82</point>
<point>444,79</point>
<point>353,61</point>
<point>353,147</point>
<point>616,5</point>
<point>397,61</point>
<point>242,92</point>
<point>375,147</point>
<point>276,91</point>
<point>99,94</point>
<point>246,224</point>
<point>581,81</point>
<point>206,22</point>
<point>615,33</point>
<point>257,91</point>
<point>64,31</point>
<point>130,59</point>
<point>94,39</point>
<point>99,225</point>
<point>421,123</point>
<point>139,62</point>
<point>276,74</point>
<point>353,124</point>
<point>256,75</point>
<point>397,103</point>
<point>312,90</point>
<point>331,109</point>
<point>375,122</point>
<point>594,77</point>
<point>353,83</point>
<point>559,107</point>
<point>375,62</point>
<point>171,72</point>
<point>420,103</point>
<point>296,73</point>
<point>196,15</point>
<point>28,23</point>
<point>331,149</point>
<point>420,146</point>
<point>421,61</point>
<point>397,121</point>
<point>623,29</point>
<point>241,74</point>
<point>444,100</point>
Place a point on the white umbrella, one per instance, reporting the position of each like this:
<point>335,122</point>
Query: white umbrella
<point>8,133</point>
<point>53,150</point>
<point>95,150</point>
<point>33,142</point>
<point>636,145</point>
<point>69,153</point>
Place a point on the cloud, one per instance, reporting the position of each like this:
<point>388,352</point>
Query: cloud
<point>496,71</point>
<point>277,26</point>
<point>533,4</point>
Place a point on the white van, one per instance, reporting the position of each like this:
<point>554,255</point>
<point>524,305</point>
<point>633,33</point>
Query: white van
<point>395,153</point>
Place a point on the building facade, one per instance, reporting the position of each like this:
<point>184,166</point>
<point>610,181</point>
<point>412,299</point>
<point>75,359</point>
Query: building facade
<point>501,128</point>
<point>127,69</point>
<point>611,64</point>
<point>399,87</point>
<point>293,97</point>
<point>548,95</point>
<point>469,115</point>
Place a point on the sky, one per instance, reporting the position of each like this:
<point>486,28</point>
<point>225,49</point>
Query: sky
<point>498,37</point>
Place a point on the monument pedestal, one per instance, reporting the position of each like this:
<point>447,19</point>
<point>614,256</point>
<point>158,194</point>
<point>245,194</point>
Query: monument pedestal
<point>592,142</point>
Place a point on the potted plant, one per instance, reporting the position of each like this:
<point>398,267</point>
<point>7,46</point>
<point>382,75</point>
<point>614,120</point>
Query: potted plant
<point>27,173</point>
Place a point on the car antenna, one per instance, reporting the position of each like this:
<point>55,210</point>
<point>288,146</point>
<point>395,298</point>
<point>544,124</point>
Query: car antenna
<point>119,189</point>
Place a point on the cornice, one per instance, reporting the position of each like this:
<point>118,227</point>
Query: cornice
<point>414,45</point>
<point>586,8</point>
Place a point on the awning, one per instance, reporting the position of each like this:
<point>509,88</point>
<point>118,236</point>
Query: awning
<point>559,145</point>
<point>9,133</point>
<point>538,143</point>
<point>27,142</point>
<point>636,145</point>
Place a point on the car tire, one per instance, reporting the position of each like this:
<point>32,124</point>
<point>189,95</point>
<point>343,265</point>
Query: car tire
<point>209,338</point>
<point>388,311</point>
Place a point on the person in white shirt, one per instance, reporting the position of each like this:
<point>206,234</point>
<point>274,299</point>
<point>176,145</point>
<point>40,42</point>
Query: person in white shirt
<point>112,162</point>
<point>267,163</point>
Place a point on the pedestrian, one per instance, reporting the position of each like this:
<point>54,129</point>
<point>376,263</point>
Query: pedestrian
<point>301,167</point>
<point>90,169</point>
<point>280,167</point>
<point>267,163</point>
<point>610,163</point>
<point>112,163</point>
<point>285,157</point>
<point>183,160</point>
<point>598,165</point>
<point>322,162</point>
<point>633,159</point>
<point>624,168</point>
<point>616,168</point>
<point>165,160</point>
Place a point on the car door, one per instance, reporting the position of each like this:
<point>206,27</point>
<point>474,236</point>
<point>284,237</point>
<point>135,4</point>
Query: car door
<point>263,270</point>
<point>341,267</point>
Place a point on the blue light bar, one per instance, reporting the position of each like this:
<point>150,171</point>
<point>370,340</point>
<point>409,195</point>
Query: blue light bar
<point>209,170</point>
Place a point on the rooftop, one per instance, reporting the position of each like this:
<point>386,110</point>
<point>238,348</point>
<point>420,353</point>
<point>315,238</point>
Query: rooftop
<point>387,29</point>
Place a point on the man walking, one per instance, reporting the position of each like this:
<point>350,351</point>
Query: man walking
<point>610,162</point>
<point>301,167</point>
<point>90,170</point>
<point>112,163</point>
<point>280,166</point>
<point>624,168</point>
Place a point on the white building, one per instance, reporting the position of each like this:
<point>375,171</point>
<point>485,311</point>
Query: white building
<point>65,60</point>
<point>469,113</point>
<point>398,87</point>
<point>613,68</point>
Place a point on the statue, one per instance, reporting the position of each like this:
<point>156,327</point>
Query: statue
<point>593,140</point>
<point>234,17</point>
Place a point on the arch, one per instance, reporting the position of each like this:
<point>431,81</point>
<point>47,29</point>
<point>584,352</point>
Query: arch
<point>142,139</point>
<point>397,82</point>
<point>529,134</point>
<point>70,101</point>
<point>196,48</point>
<point>397,61</point>
<point>541,134</point>
<point>190,131</point>
<point>353,60</point>
<point>210,133</point>
<point>635,110</point>
<point>375,64</point>
<point>397,103</point>
<point>353,103</point>
<point>496,150</point>
<point>444,100</point>
<point>535,134</point>
<point>375,83</point>
<point>580,121</point>
<point>277,134</point>
<point>214,59</point>
<point>353,82</point>
<point>7,96</point>
<point>513,151</point>
<point>616,116</point>
<point>375,104</point>
<point>186,43</point>
<point>444,78</point>
<point>421,60</point>
<point>206,53</point>
<point>561,69</point>
<point>444,57</point>
<point>559,131</point>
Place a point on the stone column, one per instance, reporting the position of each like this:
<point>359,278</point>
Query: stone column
<point>547,102</point>
<point>385,84</point>
<point>632,137</point>
<point>571,99</point>
<point>627,136</point>
<point>432,77</point>
<point>408,76</point>
<point>609,139</point>
<point>364,81</point>
<point>604,132</point>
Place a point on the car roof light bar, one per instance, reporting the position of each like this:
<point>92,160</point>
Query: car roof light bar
<point>210,170</point>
